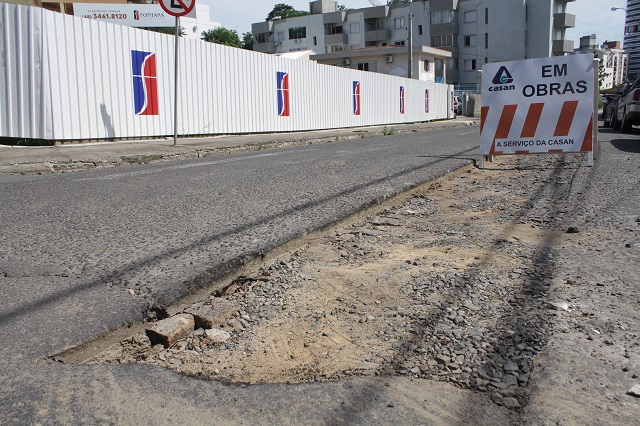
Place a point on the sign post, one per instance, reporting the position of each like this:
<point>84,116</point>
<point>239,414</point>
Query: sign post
<point>543,105</point>
<point>177,8</point>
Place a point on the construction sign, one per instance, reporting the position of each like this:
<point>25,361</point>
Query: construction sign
<point>541,105</point>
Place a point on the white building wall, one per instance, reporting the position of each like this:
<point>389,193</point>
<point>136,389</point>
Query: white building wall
<point>356,39</point>
<point>72,79</point>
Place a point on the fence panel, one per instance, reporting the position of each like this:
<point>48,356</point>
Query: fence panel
<point>80,79</point>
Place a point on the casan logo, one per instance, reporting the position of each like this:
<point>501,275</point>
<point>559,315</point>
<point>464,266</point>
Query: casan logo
<point>502,80</point>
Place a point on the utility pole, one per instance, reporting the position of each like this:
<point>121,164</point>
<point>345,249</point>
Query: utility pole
<point>410,46</point>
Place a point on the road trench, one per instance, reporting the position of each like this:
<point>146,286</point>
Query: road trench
<point>446,282</point>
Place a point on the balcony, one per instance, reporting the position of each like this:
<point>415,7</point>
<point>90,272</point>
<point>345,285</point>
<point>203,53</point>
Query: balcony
<point>336,39</point>
<point>262,27</point>
<point>334,17</point>
<point>438,5</point>
<point>560,47</point>
<point>377,35</point>
<point>376,12</point>
<point>564,20</point>
<point>449,28</point>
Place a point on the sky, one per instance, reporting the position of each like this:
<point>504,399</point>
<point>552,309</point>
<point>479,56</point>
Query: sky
<point>592,16</point>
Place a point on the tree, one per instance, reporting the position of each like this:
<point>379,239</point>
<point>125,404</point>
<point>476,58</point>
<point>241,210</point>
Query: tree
<point>222,35</point>
<point>247,41</point>
<point>284,11</point>
<point>166,30</point>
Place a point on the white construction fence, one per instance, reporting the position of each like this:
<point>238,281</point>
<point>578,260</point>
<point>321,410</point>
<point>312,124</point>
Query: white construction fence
<point>69,78</point>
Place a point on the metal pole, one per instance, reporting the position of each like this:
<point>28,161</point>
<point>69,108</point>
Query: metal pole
<point>596,85</point>
<point>410,43</point>
<point>175,101</point>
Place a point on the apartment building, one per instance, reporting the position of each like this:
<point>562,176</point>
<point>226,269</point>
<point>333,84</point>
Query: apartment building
<point>632,37</point>
<point>612,58</point>
<point>617,63</point>
<point>475,32</point>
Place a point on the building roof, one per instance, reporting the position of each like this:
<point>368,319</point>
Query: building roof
<point>382,50</point>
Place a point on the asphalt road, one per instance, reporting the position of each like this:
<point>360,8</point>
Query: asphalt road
<point>74,243</point>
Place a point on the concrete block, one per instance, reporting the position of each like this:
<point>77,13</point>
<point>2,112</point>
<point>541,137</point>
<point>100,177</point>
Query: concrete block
<point>213,313</point>
<point>168,331</point>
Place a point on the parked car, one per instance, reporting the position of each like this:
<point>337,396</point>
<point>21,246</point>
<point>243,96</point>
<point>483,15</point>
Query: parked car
<point>609,109</point>
<point>628,108</point>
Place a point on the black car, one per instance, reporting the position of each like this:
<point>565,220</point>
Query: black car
<point>609,112</point>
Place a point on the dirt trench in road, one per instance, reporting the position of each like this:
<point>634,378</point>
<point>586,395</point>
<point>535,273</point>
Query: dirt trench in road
<point>457,281</point>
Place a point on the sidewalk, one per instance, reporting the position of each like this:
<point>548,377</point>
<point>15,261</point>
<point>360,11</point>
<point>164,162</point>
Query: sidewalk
<point>82,156</point>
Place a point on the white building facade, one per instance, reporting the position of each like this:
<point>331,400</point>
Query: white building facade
<point>474,31</point>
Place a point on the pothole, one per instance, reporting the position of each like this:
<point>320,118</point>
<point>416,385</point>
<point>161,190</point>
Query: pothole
<point>449,284</point>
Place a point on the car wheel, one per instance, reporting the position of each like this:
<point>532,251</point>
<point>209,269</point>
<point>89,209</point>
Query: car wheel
<point>625,126</point>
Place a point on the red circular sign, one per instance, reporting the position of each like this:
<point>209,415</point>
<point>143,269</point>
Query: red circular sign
<point>178,7</point>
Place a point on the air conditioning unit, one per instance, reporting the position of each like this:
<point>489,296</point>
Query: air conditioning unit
<point>388,59</point>
<point>346,62</point>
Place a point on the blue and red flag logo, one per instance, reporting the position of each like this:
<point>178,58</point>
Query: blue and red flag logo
<point>356,98</point>
<point>401,99</point>
<point>283,94</point>
<point>145,84</point>
<point>426,101</point>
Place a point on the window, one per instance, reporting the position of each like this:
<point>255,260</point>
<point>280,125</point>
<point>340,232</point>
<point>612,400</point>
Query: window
<point>470,16</point>
<point>443,17</point>
<point>398,43</point>
<point>332,29</point>
<point>332,48</point>
<point>398,23</point>
<point>470,40</point>
<point>486,40</point>
<point>378,25</point>
<point>315,40</point>
<point>452,64</point>
<point>264,37</point>
<point>469,64</point>
<point>354,46</point>
<point>486,16</point>
<point>443,40</point>
<point>363,66</point>
<point>426,65</point>
<point>419,29</point>
<point>354,27</point>
<point>300,32</point>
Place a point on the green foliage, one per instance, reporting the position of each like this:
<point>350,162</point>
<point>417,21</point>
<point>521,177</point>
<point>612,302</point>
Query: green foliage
<point>389,131</point>
<point>166,30</point>
<point>222,36</point>
<point>284,11</point>
<point>247,41</point>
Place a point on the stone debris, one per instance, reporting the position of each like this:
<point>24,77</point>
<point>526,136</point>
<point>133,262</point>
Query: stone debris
<point>635,391</point>
<point>430,289</point>
<point>216,335</point>
<point>560,306</point>
<point>213,313</point>
<point>170,330</point>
